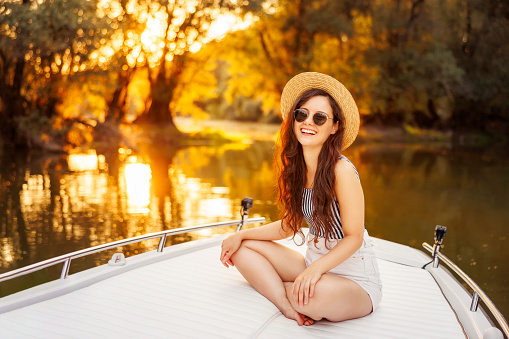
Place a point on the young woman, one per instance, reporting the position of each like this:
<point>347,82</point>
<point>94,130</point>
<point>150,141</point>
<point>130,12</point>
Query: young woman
<point>338,279</point>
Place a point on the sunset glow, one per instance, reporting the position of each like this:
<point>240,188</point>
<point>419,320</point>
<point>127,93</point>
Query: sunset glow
<point>83,161</point>
<point>137,181</point>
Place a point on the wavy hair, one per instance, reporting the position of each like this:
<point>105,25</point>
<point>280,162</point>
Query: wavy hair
<point>291,170</point>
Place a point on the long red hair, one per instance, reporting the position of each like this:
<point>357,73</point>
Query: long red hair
<point>291,170</point>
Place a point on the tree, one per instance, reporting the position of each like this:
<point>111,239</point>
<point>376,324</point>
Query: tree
<point>480,33</point>
<point>291,37</point>
<point>441,63</point>
<point>419,75</point>
<point>42,44</point>
<point>129,21</point>
<point>184,27</point>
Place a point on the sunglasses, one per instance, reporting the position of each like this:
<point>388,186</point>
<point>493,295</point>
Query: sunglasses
<point>319,118</point>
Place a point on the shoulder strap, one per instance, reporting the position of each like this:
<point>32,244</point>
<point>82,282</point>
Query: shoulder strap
<point>355,169</point>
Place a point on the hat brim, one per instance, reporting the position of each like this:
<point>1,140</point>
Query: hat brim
<point>312,80</point>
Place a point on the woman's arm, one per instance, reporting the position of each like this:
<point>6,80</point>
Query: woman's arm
<point>351,206</point>
<point>272,231</point>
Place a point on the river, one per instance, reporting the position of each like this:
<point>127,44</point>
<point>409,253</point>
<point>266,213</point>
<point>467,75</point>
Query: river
<point>54,205</point>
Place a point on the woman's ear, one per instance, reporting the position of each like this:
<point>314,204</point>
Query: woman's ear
<point>335,128</point>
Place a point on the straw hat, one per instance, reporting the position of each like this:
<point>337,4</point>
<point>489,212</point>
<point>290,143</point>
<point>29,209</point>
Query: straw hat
<point>313,80</point>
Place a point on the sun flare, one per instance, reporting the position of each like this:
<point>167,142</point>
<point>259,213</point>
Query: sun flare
<point>137,181</point>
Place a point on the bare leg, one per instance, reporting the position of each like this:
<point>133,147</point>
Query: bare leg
<point>266,266</point>
<point>336,299</point>
<point>271,269</point>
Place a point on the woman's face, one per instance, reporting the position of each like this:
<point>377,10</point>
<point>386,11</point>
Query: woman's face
<point>307,132</point>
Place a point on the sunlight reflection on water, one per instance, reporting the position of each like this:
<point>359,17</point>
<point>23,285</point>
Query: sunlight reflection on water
<point>137,178</point>
<point>81,162</point>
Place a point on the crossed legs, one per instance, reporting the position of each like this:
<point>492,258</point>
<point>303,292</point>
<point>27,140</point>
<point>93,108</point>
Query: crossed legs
<point>271,269</point>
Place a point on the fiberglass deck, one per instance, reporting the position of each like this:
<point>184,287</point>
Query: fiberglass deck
<point>189,294</point>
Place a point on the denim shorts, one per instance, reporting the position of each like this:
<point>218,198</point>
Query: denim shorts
<point>361,267</point>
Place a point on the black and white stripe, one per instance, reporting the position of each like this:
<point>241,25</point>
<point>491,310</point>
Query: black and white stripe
<point>307,211</point>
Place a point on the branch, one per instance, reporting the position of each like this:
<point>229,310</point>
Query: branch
<point>414,14</point>
<point>162,61</point>
<point>277,62</point>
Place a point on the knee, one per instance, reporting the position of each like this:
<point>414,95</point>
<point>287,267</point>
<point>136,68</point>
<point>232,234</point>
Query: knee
<point>241,252</point>
<point>237,256</point>
<point>245,246</point>
<point>251,244</point>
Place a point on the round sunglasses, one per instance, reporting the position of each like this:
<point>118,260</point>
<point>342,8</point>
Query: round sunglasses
<point>319,118</point>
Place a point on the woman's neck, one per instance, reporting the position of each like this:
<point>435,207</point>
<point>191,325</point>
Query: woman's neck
<point>311,160</point>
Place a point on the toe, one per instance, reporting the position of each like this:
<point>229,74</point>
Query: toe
<point>308,321</point>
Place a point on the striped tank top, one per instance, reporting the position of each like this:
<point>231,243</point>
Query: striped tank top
<point>307,210</point>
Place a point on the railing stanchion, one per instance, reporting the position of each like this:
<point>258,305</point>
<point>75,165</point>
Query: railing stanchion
<point>439,236</point>
<point>162,243</point>
<point>246,204</point>
<point>475,302</point>
<point>65,269</point>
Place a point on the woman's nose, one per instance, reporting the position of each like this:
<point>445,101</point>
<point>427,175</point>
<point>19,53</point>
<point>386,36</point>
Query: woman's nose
<point>309,119</point>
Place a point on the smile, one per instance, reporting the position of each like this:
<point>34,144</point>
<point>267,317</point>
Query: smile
<point>307,131</point>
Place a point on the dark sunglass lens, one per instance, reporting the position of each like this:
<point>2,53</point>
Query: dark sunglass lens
<point>320,119</point>
<point>300,115</point>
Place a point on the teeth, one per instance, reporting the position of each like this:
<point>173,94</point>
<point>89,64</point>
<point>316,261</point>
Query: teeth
<point>308,131</point>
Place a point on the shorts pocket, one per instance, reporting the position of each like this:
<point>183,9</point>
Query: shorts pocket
<point>354,267</point>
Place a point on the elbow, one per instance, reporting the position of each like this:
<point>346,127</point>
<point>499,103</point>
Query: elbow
<point>360,240</point>
<point>356,239</point>
<point>286,230</point>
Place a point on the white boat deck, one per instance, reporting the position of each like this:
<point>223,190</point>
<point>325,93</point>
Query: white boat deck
<point>185,292</point>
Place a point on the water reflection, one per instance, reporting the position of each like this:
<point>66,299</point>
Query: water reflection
<point>50,206</point>
<point>79,162</point>
<point>137,178</point>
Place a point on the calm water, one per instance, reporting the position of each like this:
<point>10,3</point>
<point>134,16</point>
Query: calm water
<point>54,205</point>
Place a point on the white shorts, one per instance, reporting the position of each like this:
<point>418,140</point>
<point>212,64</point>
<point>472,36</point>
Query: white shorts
<point>361,267</point>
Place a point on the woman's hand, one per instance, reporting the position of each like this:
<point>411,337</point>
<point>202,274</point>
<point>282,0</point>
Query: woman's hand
<point>304,285</point>
<point>229,246</point>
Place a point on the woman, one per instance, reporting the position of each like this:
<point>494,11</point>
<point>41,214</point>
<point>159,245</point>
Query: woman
<point>338,279</point>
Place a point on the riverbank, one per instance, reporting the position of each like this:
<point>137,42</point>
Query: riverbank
<point>220,131</point>
<point>236,130</point>
<point>216,132</point>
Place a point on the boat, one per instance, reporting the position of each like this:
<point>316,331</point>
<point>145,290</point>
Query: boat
<point>183,291</point>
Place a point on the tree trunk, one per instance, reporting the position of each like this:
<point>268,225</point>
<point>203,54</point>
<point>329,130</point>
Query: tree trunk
<point>118,102</point>
<point>162,94</point>
<point>159,112</point>
<point>9,131</point>
<point>13,102</point>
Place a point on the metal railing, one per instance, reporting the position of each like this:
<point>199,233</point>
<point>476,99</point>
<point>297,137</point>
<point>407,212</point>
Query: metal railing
<point>67,258</point>
<point>477,291</point>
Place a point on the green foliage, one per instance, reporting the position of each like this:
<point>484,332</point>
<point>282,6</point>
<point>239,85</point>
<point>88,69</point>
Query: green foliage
<point>438,64</point>
<point>174,66</point>
<point>424,64</point>
<point>42,45</point>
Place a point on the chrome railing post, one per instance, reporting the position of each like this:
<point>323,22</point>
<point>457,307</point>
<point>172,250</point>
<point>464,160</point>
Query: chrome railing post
<point>475,302</point>
<point>246,204</point>
<point>242,223</point>
<point>436,259</point>
<point>439,236</point>
<point>65,269</point>
<point>162,243</point>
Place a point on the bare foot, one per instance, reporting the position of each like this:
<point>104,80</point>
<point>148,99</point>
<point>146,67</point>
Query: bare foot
<point>293,314</point>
